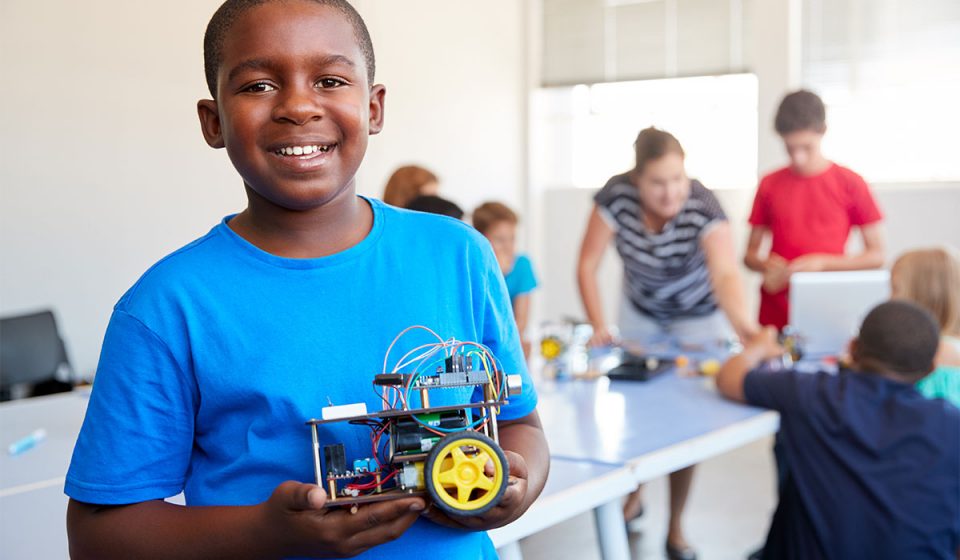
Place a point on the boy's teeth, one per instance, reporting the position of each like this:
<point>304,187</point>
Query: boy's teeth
<point>302,150</point>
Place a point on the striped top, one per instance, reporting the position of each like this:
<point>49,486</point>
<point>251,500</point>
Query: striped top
<point>665,273</point>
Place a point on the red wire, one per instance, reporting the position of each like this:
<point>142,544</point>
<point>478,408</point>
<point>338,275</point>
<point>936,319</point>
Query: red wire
<point>373,483</point>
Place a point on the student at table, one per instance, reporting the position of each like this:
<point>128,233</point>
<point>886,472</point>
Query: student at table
<point>681,277</point>
<point>870,467</point>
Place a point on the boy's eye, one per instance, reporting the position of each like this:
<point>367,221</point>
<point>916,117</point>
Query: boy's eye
<point>259,87</point>
<point>330,82</point>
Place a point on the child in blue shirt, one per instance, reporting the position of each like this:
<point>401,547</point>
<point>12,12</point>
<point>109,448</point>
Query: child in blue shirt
<point>213,361</point>
<point>498,223</point>
<point>871,468</point>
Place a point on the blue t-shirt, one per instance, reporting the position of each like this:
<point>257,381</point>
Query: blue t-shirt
<point>872,469</point>
<point>215,359</point>
<point>521,278</point>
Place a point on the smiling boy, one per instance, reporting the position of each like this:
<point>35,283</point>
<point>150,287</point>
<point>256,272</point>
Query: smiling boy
<point>214,359</point>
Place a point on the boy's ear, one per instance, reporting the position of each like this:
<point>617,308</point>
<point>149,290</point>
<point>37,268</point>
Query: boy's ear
<point>377,94</point>
<point>210,122</point>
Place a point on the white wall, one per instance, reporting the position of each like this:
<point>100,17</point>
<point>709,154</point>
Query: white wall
<point>104,170</point>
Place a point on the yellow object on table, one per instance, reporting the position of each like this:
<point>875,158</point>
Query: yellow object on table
<point>710,367</point>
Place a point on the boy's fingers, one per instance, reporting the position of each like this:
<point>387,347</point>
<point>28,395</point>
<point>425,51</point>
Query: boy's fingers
<point>298,496</point>
<point>372,516</point>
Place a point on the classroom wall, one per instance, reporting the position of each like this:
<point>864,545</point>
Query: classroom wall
<point>104,170</point>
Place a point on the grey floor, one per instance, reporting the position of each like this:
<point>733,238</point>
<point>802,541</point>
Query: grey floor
<point>730,504</point>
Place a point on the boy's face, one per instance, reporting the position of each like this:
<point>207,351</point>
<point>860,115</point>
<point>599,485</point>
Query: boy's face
<point>803,147</point>
<point>293,107</point>
<point>502,237</point>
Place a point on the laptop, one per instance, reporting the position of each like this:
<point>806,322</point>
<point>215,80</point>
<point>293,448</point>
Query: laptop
<point>826,308</point>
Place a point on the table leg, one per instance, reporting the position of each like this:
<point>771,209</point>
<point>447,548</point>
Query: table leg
<point>611,531</point>
<point>510,551</point>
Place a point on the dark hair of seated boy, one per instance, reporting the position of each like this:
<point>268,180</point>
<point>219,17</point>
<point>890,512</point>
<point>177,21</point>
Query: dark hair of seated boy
<point>433,204</point>
<point>871,468</point>
<point>215,359</point>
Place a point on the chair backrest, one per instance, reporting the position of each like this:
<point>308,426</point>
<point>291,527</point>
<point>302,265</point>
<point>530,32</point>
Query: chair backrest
<point>31,349</point>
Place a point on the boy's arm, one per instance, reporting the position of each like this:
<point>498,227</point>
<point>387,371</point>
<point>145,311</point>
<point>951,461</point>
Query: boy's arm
<point>525,446</point>
<point>872,256</point>
<point>521,312</point>
<point>762,347</point>
<point>752,258</point>
<point>292,522</point>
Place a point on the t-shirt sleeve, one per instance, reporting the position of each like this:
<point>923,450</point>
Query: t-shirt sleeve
<point>778,390</point>
<point>760,214</point>
<point>863,207</point>
<point>501,337</point>
<point>137,436</point>
<point>522,278</point>
<point>605,199</point>
<point>708,207</point>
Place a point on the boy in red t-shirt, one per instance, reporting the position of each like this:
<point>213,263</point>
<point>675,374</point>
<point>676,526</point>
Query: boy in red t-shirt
<point>808,210</point>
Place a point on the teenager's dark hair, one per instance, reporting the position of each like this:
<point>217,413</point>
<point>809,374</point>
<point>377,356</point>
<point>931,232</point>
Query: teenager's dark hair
<point>229,11</point>
<point>436,205</point>
<point>652,144</point>
<point>801,110</point>
<point>898,336</point>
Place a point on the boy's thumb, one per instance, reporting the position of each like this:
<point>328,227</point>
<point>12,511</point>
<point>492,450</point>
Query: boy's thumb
<point>303,497</point>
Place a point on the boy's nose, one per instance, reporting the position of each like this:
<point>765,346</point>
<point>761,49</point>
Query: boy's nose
<point>299,106</point>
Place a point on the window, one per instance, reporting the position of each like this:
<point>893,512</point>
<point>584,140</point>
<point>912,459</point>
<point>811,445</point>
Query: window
<point>889,72</point>
<point>582,135</point>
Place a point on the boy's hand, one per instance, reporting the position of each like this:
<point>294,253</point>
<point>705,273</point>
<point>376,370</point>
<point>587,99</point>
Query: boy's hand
<point>295,518</point>
<point>763,346</point>
<point>509,508</point>
<point>776,274</point>
<point>807,263</point>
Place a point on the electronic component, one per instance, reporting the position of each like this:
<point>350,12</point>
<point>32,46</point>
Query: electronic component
<point>364,466</point>
<point>411,476</point>
<point>343,411</point>
<point>411,435</point>
<point>335,459</point>
<point>514,384</point>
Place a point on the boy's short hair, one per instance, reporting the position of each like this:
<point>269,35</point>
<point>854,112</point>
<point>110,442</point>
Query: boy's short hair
<point>435,205</point>
<point>229,11</point>
<point>489,214</point>
<point>801,110</point>
<point>898,336</point>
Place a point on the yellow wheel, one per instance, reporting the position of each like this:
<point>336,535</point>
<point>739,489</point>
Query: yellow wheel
<point>458,475</point>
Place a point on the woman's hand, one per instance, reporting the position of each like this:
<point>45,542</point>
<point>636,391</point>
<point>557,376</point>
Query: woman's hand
<point>601,337</point>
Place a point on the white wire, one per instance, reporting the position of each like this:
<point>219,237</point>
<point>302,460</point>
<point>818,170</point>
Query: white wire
<point>386,356</point>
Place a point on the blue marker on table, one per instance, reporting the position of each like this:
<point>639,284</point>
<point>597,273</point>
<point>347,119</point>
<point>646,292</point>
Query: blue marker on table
<point>27,442</point>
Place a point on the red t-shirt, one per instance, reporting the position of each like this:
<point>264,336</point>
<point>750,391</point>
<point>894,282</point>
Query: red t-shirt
<point>808,215</point>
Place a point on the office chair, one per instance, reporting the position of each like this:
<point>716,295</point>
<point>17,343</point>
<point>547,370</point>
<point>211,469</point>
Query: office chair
<point>32,353</point>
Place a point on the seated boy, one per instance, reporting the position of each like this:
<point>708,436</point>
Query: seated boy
<point>217,356</point>
<point>871,468</point>
<point>498,223</point>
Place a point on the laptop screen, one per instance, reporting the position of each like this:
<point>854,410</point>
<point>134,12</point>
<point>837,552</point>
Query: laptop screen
<point>826,308</point>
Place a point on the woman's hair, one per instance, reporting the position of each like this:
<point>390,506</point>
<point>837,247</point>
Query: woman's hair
<point>931,278</point>
<point>405,184</point>
<point>489,214</point>
<point>652,144</point>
